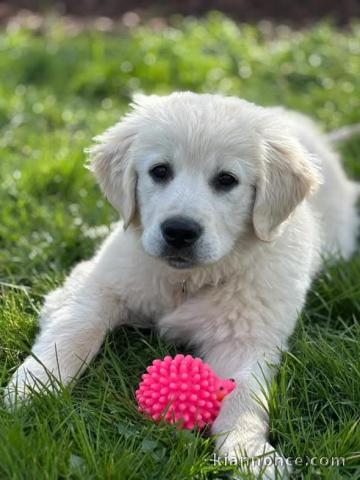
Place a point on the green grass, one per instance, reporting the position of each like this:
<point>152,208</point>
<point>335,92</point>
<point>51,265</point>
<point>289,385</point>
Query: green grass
<point>57,90</point>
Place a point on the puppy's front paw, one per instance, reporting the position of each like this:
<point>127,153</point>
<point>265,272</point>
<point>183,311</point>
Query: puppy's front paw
<point>30,377</point>
<point>255,457</point>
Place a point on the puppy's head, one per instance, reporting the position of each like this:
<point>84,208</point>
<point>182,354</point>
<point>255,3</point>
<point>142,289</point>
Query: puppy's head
<point>200,171</point>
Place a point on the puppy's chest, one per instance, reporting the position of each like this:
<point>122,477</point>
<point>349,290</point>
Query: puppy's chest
<point>151,296</point>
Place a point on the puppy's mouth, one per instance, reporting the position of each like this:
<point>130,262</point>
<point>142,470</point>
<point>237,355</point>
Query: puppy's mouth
<point>179,263</point>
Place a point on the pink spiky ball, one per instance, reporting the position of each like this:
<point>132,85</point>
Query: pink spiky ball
<point>182,390</point>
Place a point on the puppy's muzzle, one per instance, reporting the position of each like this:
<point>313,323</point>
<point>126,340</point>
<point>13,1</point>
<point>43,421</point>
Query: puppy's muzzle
<point>180,232</point>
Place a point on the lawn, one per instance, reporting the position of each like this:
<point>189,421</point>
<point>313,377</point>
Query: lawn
<point>60,86</point>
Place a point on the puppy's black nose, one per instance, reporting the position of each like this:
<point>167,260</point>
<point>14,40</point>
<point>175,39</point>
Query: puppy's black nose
<point>180,232</point>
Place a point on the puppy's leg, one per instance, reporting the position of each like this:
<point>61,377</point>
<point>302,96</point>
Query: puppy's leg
<point>73,323</point>
<point>241,428</point>
<point>243,343</point>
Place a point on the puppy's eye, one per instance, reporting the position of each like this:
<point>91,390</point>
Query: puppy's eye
<point>161,172</point>
<point>224,182</point>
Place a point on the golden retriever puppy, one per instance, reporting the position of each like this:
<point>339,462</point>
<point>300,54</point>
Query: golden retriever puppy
<point>228,208</point>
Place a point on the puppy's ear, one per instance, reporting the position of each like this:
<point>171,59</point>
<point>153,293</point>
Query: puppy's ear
<point>287,176</point>
<point>110,160</point>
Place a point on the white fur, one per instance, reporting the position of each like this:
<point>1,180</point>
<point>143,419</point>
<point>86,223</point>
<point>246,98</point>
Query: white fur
<point>253,266</point>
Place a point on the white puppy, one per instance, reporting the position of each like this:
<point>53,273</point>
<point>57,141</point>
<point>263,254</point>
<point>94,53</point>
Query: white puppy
<point>228,208</point>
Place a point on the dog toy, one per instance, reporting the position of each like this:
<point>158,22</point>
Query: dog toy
<point>182,390</point>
